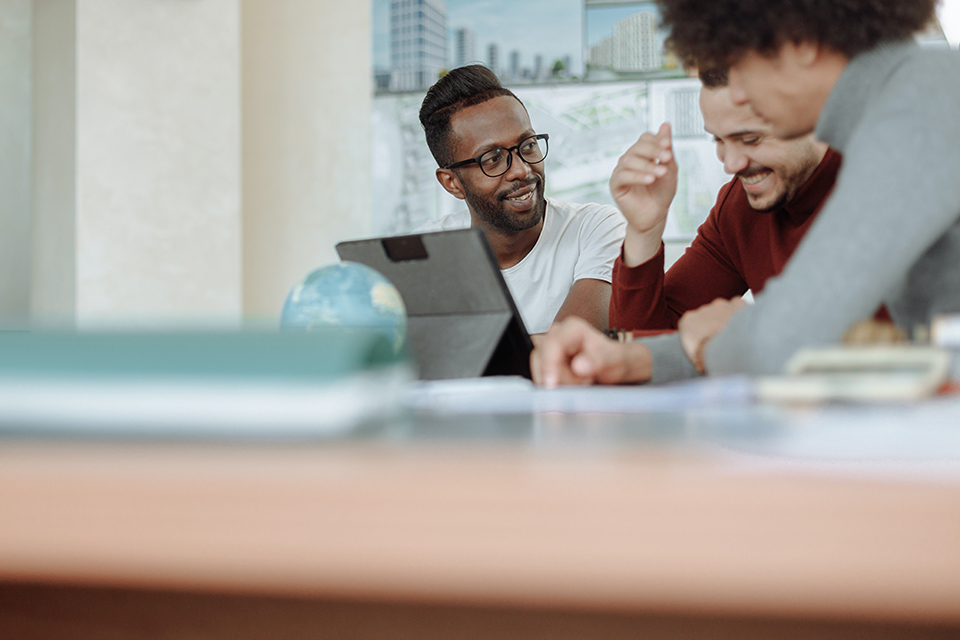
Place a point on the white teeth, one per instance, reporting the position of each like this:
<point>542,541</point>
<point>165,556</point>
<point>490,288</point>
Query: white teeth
<point>523,197</point>
<point>754,179</point>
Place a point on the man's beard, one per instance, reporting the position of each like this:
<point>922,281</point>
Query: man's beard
<point>494,214</point>
<point>790,185</point>
<point>776,204</point>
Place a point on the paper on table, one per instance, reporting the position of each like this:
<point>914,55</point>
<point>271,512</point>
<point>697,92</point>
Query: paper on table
<point>517,395</point>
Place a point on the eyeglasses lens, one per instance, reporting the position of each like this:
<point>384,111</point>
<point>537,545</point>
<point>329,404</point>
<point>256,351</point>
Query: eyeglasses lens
<point>496,162</point>
<point>532,151</point>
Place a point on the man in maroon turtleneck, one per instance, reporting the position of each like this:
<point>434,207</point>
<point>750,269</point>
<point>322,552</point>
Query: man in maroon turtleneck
<point>758,220</point>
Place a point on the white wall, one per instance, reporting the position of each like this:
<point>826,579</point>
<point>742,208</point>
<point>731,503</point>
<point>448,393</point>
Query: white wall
<point>949,13</point>
<point>15,160</point>
<point>306,122</point>
<point>137,162</point>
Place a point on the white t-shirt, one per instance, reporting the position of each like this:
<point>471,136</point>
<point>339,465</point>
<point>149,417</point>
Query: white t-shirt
<point>578,241</point>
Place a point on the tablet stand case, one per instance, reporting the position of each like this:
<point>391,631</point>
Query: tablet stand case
<point>461,319</point>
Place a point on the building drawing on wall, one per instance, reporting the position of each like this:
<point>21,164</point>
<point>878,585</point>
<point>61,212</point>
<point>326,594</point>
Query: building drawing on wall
<point>514,72</point>
<point>633,46</point>
<point>601,55</point>
<point>636,47</point>
<point>493,58</point>
<point>463,47</point>
<point>418,43</point>
<point>514,65</point>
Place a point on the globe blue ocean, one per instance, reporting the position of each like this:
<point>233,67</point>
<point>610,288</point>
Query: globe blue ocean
<point>350,295</point>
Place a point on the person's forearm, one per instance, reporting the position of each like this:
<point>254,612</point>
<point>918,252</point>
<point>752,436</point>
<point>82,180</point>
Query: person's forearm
<point>639,247</point>
<point>588,299</point>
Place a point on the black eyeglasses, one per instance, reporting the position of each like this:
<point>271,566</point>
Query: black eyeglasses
<point>496,162</point>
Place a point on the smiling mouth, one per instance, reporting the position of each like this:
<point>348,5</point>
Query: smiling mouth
<point>755,178</point>
<point>523,198</point>
<point>523,193</point>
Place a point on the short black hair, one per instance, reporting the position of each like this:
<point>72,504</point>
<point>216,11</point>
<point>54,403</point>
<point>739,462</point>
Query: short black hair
<point>460,88</point>
<point>719,32</point>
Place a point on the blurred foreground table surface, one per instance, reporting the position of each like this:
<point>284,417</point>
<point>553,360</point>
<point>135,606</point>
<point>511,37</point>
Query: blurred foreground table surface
<point>743,522</point>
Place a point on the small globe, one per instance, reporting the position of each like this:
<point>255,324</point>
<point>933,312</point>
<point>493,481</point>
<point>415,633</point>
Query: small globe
<point>350,295</point>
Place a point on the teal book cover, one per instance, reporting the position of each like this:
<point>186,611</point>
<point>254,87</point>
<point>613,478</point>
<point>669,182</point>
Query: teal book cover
<point>198,384</point>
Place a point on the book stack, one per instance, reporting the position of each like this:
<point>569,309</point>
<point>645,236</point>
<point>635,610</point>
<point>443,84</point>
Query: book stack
<point>198,384</point>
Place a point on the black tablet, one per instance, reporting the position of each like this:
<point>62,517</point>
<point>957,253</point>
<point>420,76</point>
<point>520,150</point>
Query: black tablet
<point>461,319</point>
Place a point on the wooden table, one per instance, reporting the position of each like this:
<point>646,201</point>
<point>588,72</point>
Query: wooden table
<point>468,538</point>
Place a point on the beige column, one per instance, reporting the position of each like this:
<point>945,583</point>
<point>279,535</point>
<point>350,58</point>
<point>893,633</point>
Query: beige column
<point>306,144</point>
<point>15,160</point>
<point>139,148</point>
<point>53,257</point>
<point>137,162</point>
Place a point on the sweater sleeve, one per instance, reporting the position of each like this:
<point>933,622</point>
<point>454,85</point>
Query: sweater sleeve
<point>896,196</point>
<point>644,298</point>
<point>668,361</point>
<point>637,300</point>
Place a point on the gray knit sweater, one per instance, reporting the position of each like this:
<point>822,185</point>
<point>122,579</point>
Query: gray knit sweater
<point>890,232</point>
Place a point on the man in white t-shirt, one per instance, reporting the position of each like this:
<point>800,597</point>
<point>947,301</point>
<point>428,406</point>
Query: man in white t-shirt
<point>556,257</point>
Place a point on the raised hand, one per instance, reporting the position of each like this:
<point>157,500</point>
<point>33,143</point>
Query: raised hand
<point>644,184</point>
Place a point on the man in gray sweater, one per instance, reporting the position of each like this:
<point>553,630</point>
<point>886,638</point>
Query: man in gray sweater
<point>890,233</point>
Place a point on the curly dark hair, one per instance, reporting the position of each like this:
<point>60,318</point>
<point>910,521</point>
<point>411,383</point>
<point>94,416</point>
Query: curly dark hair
<point>713,77</point>
<point>719,32</point>
<point>458,89</point>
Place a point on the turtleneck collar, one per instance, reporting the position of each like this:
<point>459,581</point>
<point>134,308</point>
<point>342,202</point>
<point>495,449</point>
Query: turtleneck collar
<point>856,89</point>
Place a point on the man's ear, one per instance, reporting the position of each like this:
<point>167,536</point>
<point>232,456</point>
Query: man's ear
<point>450,182</point>
<point>803,54</point>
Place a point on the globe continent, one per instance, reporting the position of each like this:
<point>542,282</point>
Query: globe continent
<point>350,295</point>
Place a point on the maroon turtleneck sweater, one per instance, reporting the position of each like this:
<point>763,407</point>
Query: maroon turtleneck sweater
<point>736,248</point>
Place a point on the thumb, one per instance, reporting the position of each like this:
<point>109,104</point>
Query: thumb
<point>582,365</point>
